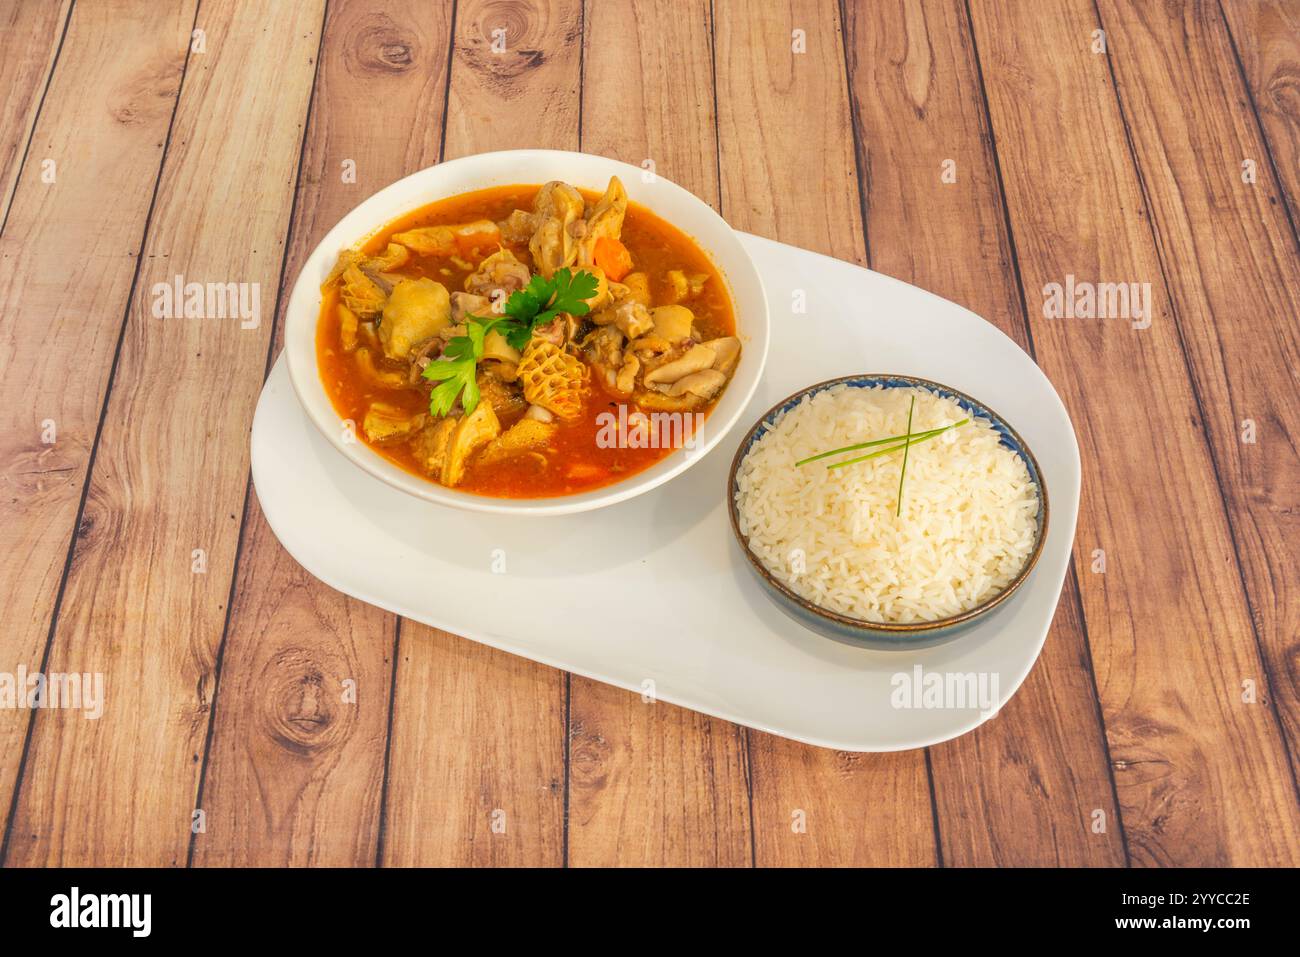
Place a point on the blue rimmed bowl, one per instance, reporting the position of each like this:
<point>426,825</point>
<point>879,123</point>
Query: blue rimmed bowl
<point>876,634</point>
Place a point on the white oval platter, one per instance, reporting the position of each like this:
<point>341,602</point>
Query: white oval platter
<point>652,594</point>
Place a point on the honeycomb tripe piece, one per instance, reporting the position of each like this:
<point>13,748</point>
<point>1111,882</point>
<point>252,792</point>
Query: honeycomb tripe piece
<point>552,378</point>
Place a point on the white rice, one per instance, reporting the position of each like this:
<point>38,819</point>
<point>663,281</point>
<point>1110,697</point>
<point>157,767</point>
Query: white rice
<point>969,508</point>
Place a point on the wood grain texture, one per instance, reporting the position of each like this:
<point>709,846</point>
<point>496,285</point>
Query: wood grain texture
<point>1024,788</point>
<point>170,470</point>
<point>64,286</point>
<point>635,108</point>
<point>528,92</point>
<point>1229,257</point>
<point>788,172</point>
<point>477,757</point>
<point>1124,167</point>
<point>1202,777</point>
<point>476,766</point>
<point>1265,36</point>
<point>296,769</point>
<point>32,34</point>
<point>651,784</point>
<point>785,135</point>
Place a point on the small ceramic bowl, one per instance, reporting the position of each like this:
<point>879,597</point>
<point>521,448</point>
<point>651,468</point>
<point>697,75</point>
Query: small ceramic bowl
<point>886,635</point>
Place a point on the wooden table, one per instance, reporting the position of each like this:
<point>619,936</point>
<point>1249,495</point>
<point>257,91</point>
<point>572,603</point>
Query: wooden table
<point>982,150</point>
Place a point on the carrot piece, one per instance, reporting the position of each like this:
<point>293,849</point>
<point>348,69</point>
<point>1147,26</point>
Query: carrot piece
<point>612,256</point>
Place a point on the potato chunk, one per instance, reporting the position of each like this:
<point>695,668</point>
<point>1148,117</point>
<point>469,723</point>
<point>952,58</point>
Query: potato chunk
<point>417,310</point>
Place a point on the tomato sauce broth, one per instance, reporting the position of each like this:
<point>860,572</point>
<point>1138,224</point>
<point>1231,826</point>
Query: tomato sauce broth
<point>575,460</point>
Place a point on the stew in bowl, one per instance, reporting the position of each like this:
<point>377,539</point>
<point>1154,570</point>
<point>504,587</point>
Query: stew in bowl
<point>527,332</point>
<point>494,341</point>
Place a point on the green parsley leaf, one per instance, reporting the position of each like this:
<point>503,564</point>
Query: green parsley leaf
<point>543,299</point>
<point>456,371</point>
<point>517,334</point>
<point>525,303</point>
<point>570,291</point>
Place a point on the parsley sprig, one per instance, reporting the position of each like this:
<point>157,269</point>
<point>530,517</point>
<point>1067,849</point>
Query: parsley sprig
<point>535,305</point>
<point>455,372</point>
<point>543,299</point>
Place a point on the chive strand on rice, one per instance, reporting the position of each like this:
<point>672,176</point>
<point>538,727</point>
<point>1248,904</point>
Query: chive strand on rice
<point>916,439</point>
<point>866,445</point>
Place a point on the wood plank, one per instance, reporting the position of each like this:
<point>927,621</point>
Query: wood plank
<point>1202,777</point>
<point>1232,265</point>
<point>170,471</point>
<point>1022,789</point>
<point>64,287</point>
<point>30,35</point>
<point>1265,35</point>
<point>477,756</point>
<point>647,91</point>
<point>525,94</point>
<point>651,784</point>
<point>476,760</point>
<point>296,767</point>
<point>788,172</point>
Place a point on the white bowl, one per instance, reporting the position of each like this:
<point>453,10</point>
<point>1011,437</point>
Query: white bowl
<point>666,199</point>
